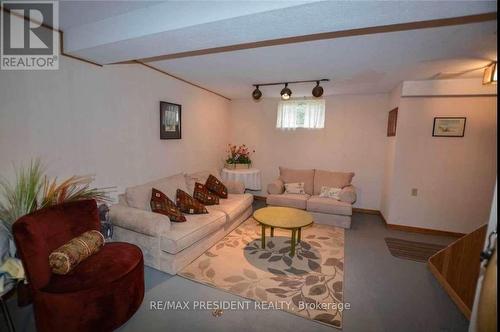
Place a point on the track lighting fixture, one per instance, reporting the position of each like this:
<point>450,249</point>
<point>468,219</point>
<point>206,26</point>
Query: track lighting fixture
<point>317,90</point>
<point>256,94</point>
<point>286,93</point>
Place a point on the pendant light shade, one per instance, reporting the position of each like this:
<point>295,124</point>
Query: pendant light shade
<point>286,93</point>
<point>256,94</point>
<point>317,90</point>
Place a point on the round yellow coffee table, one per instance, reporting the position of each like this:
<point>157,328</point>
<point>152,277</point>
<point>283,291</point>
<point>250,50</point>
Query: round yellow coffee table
<point>285,218</point>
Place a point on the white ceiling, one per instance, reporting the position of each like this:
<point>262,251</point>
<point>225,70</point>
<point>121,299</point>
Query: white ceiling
<point>113,31</point>
<point>168,27</point>
<point>362,64</point>
<point>76,13</point>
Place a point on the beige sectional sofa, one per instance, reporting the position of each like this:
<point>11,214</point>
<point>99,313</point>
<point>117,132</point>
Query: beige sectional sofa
<point>324,210</point>
<point>169,246</point>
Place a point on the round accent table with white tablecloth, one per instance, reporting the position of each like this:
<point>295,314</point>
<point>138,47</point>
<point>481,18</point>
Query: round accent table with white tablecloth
<point>249,176</point>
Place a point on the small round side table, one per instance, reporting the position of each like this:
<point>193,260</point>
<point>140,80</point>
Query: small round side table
<point>249,176</point>
<point>285,218</point>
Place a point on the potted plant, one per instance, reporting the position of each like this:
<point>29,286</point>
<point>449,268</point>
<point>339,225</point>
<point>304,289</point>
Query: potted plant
<point>238,157</point>
<point>33,190</point>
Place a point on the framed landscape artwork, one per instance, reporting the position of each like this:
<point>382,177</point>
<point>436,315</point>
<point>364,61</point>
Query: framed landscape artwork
<point>449,127</point>
<point>170,120</point>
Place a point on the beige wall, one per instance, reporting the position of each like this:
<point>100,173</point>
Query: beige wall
<point>390,156</point>
<point>455,177</point>
<point>353,140</point>
<point>84,119</point>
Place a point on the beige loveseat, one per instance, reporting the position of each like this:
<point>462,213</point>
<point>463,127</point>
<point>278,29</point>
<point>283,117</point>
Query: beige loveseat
<point>170,246</point>
<point>324,210</point>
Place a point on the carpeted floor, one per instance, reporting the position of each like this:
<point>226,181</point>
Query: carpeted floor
<point>385,293</point>
<point>309,284</point>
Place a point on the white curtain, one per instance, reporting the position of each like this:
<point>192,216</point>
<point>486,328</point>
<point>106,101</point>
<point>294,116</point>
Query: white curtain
<point>305,113</point>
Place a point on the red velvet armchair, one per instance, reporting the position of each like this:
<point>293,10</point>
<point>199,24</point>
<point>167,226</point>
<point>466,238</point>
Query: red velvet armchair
<point>100,294</point>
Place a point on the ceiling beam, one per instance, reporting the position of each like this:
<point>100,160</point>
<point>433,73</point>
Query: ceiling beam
<point>61,45</point>
<point>492,16</point>
<point>60,32</point>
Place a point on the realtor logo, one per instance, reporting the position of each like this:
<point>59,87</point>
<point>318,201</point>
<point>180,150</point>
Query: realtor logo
<point>29,40</point>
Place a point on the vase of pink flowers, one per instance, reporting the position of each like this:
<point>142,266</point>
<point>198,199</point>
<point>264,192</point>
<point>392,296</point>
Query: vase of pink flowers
<point>238,157</point>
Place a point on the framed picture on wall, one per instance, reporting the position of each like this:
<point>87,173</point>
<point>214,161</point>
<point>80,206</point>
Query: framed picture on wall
<point>392,122</point>
<point>449,127</point>
<point>170,120</point>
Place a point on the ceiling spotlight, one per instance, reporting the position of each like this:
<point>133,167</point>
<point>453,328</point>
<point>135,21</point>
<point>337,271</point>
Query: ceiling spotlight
<point>286,93</point>
<point>490,74</point>
<point>256,94</point>
<point>317,90</point>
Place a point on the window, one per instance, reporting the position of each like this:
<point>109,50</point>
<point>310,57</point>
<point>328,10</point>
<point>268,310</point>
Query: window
<point>306,113</point>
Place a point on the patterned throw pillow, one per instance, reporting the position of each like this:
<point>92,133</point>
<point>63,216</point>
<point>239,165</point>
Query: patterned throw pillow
<point>65,258</point>
<point>188,204</point>
<point>160,203</point>
<point>295,188</point>
<point>214,185</point>
<point>203,195</point>
<point>330,192</point>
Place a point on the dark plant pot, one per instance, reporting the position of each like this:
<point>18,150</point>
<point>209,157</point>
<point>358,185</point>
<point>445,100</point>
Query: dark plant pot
<point>24,296</point>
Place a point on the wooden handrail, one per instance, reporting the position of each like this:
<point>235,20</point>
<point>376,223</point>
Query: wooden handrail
<point>456,267</point>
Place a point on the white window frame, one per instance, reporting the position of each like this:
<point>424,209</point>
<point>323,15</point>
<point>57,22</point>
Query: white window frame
<point>301,113</point>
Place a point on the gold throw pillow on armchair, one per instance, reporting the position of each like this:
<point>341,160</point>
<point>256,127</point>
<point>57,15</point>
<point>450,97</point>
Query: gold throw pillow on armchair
<point>65,258</point>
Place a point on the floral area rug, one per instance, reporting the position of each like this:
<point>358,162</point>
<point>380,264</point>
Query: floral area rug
<point>309,285</point>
